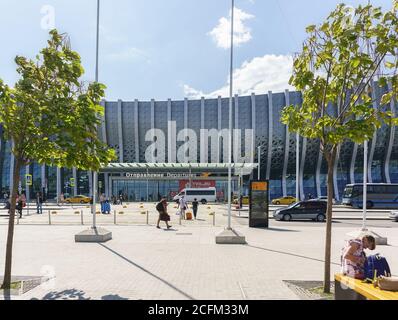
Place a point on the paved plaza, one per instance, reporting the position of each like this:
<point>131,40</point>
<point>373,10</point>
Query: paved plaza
<point>142,262</point>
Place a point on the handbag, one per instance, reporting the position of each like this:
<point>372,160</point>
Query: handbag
<point>387,283</point>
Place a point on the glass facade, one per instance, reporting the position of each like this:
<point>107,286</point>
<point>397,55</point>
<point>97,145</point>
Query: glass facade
<point>126,125</point>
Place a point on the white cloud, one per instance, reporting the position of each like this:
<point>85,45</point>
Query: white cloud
<point>221,34</point>
<point>259,75</point>
<point>127,55</point>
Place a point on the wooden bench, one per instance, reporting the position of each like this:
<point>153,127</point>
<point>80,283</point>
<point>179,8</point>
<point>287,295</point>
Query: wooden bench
<point>347,288</point>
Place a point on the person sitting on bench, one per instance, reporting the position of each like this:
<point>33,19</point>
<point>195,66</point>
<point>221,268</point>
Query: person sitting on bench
<point>353,257</point>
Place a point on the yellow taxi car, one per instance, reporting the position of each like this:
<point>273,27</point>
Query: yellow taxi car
<point>78,199</point>
<point>284,200</point>
<point>245,200</point>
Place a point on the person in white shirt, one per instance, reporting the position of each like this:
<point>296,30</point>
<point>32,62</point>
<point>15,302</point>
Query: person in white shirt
<point>182,207</point>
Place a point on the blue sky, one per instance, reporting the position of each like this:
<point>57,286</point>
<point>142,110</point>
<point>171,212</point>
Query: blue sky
<point>169,49</point>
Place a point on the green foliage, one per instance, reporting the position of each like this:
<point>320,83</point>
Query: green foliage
<point>50,115</point>
<point>335,70</point>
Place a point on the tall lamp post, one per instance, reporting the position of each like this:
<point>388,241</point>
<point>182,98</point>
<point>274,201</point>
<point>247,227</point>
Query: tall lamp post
<point>380,240</point>
<point>95,234</point>
<point>297,167</point>
<point>95,174</point>
<point>229,235</point>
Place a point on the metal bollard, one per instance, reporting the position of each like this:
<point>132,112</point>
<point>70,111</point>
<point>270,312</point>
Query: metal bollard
<point>81,216</point>
<point>214,219</point>
<point>17,218</point>
<point>49,217</point>
<point>114,216</point>
<point>147,217</point>
<point>180,218</point>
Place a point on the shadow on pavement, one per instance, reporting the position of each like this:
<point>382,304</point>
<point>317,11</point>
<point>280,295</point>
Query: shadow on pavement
<point>291,254</point>
<point>113,297</point>
<point>70,294</point>
<point>148,272</point>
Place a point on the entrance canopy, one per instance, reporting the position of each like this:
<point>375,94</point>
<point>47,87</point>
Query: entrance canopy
<point>211,168</point>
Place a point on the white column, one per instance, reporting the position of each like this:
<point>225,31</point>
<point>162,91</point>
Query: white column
<point>120,130</point>
<point>270,134</point>
<point>204,139</point>
<point>297,166</point>
<point>171,136</point>
<point>26,186</point>
<point>90,182</point>
<point>374,139</point>
<point>390,142</point>
<point>58,183</point>
<point>43,179</point>
<point>12,163</point>
<point>185,113</point>
<point>352,164</point>
<point>336,163</point>
<point>219,118</point>
<point>136,132</point>
<point>287,145</point>
<point>365,174</point>
<point>301,174</point>
<point>74,173</point>
<point>318,174</point>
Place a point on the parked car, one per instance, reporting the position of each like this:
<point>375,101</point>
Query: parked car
<point>394,215</point>
<point>245,200</point>
<point>325,198</point>
<point>284,200</point>
<point>78,199</point>
<point>303,210</point>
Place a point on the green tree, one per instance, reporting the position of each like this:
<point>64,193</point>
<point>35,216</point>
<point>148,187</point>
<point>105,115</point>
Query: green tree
<point>335,72</point>
<point>51,118</point>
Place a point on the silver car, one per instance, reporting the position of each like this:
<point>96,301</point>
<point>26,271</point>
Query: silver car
<point>394,215</point>
<point>304,210</point>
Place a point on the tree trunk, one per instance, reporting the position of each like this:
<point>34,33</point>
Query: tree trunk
<point>10,236</point>
<point>329,216</point>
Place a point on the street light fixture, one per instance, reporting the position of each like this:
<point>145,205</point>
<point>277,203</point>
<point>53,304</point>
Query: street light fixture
<point>230,236</point>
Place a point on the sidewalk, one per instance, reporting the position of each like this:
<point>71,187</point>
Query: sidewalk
<point>142,262</point>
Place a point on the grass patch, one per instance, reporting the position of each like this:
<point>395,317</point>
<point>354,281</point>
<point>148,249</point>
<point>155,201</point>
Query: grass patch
<point>15,285</point>
<point>319,291</point>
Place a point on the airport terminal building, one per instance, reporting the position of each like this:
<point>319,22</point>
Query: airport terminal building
<point>163,146</point>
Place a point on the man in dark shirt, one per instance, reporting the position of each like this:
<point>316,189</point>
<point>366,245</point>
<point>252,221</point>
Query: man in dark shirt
<point>195,205</point>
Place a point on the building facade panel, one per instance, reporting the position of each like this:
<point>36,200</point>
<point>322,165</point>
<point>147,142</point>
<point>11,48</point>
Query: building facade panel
<point>126,126</point>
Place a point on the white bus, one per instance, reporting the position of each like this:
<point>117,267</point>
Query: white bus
<point>203,195</point>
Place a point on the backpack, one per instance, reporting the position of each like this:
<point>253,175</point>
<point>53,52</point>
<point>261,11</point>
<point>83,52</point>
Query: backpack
<point>159,207</point>
<point>376,266</point>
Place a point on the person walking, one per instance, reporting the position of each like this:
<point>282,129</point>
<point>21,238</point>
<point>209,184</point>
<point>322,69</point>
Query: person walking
<point>121,199</point>
<point>61,199</point>
<point>195,205</point>
<point>161,207</point>
<point>19,206</point>
<point>353,256</point>
<point>182,204</point>
<point>39,203</point>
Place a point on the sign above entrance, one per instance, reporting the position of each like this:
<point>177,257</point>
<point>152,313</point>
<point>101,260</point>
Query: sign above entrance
<point>160,175</point>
